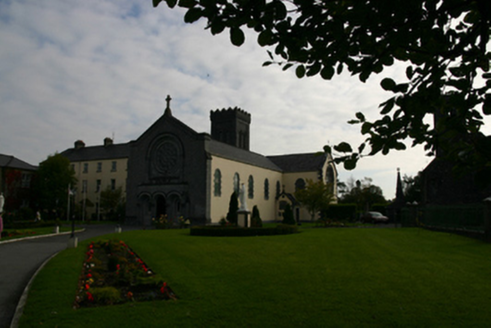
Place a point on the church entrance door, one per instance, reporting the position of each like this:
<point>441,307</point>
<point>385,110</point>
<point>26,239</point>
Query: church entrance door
<point>161,207</point>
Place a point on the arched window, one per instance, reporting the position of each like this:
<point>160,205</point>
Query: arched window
<point>236,183</point>
<point>299,184</point>
<point>217,183</point>
<point>250,187</point>
<point>266,189</point>
<point>330,177</point>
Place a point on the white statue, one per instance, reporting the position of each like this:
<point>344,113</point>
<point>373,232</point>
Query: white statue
<point>2,202</point>
<point>242,198</point>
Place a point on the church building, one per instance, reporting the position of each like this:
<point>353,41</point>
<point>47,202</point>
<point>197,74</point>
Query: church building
<point>176,171</point>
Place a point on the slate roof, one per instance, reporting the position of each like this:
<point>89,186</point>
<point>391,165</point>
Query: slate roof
<point>227,151</point>
<point>15,163</point>
<point>92,153</point>
<point>299,162</point>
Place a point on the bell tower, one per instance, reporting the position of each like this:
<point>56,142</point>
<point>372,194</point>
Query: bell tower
<point>231,126</point>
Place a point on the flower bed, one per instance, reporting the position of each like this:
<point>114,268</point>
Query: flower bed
<point>113,274</point>
<point>17,233</point>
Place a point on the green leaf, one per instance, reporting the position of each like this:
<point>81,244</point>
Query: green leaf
<point>349,164</point>
<point>314,69</point>
<point>280,10</point>
<point>388,84</point>
<point>486,106</point>
<point>217,27</point>
<point>409,72</point>
<point>265,38</point>
<point>192,15</point>
<point>360,116</point>
<point>300,71</point>
<point>364,76</point>
<point>327,72</point>
<point>267,63</point>
<point>343,147</point>
<point>366,127</point>
<point>187,3</point>
<point>237,37</point>
<point>327,149</point>
<point>387,106</point>
<point>287,66</point>
<point>339,69</point>
<point>399,146</point>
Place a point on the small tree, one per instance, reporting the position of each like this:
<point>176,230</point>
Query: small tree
<point>233,207</point>
<point>50,186</point>
<point>316,196</point>
<point>288,215</point>
<point>256,221</point>
<point>112,202</point>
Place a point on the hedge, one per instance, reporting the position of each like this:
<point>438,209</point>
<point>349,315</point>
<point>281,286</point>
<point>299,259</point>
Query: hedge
<point>218,231</point>
<point>341,212</point>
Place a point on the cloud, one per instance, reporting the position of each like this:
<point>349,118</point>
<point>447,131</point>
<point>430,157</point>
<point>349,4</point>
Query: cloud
<point>87,69</point>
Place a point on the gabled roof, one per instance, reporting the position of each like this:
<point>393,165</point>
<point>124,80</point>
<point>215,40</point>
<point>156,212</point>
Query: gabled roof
<point>171,120</point>
<point>227,151</point>
<point>8,161</point>
<point>299,162</point>
<point>97,152</point>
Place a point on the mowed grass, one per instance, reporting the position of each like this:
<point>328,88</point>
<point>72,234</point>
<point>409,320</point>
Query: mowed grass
<point>318,278</point>
<point>23,233</point>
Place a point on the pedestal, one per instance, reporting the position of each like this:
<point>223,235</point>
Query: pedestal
<point>118,229</point>
<point>73,242</point>
<point>56,229</point>
<point>243,218</point>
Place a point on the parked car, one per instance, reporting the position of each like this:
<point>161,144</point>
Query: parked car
<point>374,217</point>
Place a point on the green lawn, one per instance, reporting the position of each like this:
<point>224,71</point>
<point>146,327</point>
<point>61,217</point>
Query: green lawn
<point>23,233</point>
<point>318,278</point>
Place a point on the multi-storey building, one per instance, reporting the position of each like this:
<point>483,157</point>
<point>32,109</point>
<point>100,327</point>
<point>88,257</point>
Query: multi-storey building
<point>15,181</point>
<point>97,168</point>
<point>173,170</point>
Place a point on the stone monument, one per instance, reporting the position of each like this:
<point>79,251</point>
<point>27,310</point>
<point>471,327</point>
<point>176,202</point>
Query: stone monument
<point>2,202</point>
<point>243,214</point>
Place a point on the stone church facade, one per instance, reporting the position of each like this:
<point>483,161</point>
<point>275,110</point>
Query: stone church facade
<point>176,171</point>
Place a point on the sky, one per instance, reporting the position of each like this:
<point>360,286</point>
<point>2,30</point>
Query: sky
<point>93,69</point>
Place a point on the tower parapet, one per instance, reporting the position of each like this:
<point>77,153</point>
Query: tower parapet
<point>231,126</point>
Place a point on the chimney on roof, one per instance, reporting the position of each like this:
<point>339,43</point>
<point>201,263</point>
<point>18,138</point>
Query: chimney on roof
<point>108,142</point>
<point>79,144</point>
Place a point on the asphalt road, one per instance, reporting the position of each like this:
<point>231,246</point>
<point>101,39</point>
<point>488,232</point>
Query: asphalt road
<point>20,260</point>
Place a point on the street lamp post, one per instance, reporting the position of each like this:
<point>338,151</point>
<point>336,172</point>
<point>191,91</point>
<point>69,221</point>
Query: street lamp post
<point>73,241</point>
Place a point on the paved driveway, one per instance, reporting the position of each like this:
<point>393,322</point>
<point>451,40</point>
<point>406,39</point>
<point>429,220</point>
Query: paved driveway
<point>20,260</point>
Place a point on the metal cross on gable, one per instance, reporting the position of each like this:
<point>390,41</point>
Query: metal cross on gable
<point>168,99</point>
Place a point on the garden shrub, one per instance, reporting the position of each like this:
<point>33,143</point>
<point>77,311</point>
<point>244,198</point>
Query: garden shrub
<point>256,221</point>
<point>233,207</point>
<point>340,212</point>
<point>106,295</point>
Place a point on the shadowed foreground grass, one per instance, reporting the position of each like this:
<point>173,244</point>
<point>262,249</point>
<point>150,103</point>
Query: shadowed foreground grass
<point>320,277</point>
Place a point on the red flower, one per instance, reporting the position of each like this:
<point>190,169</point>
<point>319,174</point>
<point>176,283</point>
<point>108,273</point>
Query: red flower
<point>162,289</point>
<point>87,286</point>
<point>89,275</point>
<point>90,298</point>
